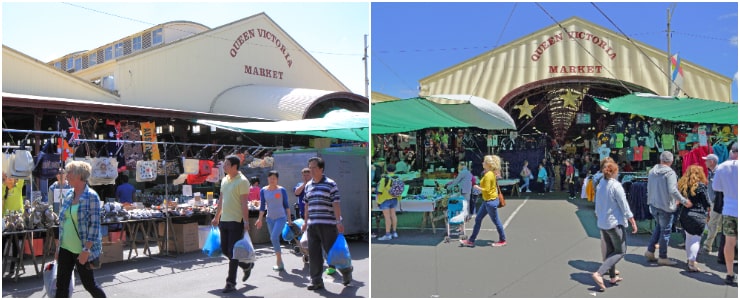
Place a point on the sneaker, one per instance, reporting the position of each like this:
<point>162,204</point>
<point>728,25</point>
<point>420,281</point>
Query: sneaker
<point>650,256</point>
<point>228,288</point>
<point>666,262</point>
<point>467,243</point>
<point>528,191</point>
<point>499,244</point>
<point>682,244</point>
<point>385,237</point>
<point>330,271</point>
<point>730,279</point>
<point>395,235</point>
<point>315,286</point>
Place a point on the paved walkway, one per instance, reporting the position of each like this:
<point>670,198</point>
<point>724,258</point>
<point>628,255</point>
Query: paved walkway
<point>194,275</point>
<point>553,247</point>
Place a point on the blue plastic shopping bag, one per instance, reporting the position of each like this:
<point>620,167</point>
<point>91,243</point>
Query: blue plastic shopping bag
<point>338,255</point>
<point>212,246</point>
<point>291,232</point>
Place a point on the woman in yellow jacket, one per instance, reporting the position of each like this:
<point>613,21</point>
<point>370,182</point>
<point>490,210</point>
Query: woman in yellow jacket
<point>489,192</point>
<point>387,203</point>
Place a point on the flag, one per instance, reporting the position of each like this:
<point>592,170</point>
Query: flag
<point>676,75</point>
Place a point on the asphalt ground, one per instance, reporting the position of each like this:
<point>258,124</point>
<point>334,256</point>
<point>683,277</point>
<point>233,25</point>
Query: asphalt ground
<point>553,247</point>
<point>195,275</point>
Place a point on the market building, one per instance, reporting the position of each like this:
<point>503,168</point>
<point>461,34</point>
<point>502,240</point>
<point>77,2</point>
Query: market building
<point>556,84</point>
<point>140,96</point>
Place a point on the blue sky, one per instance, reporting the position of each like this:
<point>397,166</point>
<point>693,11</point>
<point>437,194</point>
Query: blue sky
<point>332,32</point>
<point>413,40</point>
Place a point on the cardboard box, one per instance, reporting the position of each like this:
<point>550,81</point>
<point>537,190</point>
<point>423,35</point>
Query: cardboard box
<point>115,236</point>
<point>187,237</point>
<point>112,252</point>
<point>38,247</point>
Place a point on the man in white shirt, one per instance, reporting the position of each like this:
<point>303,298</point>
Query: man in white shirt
<point>725,181</point>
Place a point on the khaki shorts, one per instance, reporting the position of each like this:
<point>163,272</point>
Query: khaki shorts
<point>729,225</point>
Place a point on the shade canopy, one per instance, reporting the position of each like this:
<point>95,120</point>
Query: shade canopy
<point>339,124</point>
<point>672,108</point>
<point>412,114</point>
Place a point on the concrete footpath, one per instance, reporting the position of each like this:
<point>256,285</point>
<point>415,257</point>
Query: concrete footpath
<point>553,247</point>
<point>195,275</point>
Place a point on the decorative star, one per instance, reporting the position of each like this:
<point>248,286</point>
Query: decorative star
<point>525,109</point>
<point>632,116</point>
<point>569,100</point>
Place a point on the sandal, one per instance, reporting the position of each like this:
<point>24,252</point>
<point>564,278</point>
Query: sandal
<point>599,281</point>
<point>614,280</point>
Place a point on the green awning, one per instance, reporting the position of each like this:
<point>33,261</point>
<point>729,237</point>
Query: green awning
<point>672,108</point>
<point>412,114</point>
<point>338,124</point>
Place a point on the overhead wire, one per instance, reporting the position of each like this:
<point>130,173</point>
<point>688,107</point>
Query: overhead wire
<point>638,48</point>
<point>204,34</point>
<point>584,48</point>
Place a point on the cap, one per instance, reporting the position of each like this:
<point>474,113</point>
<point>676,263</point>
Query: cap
<point>711,157</point>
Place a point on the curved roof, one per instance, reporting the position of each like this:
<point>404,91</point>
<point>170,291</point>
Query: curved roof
<point>281,103</point>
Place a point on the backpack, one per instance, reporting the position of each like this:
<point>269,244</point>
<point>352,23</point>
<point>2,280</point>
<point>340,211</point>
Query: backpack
<point>397,186</point>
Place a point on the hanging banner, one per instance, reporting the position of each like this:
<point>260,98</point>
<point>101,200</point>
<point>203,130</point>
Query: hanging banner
<point>132,152</point>
<point>148,134</point>
<point>71,131</point>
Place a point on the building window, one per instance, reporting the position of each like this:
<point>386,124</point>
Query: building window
<point>157,36</point>
<point>119,49</point>
<point>108,53</point>
<point>78,63</point>
<point>137,43</point>
<point>58,65</point>
<point>93,59</point>
<point>70,63</point>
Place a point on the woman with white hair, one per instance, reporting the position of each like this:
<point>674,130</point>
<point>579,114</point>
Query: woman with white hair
<point>80,242</point>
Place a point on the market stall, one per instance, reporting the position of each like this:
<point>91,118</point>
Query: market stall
<point>419,131</point>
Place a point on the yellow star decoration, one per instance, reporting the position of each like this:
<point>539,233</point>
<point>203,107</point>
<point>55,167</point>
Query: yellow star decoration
<point>632,116</point>
<point>525,109</point>
<point>569,100</point>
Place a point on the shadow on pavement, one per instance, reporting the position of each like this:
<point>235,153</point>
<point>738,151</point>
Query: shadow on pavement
<point>586,266</point>
<point>416,237</point>
<point>705,277</point>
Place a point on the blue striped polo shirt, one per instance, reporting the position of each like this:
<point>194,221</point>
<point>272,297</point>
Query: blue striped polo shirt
<point>320,196</point>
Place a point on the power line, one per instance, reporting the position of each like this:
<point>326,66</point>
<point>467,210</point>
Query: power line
<point>638,48</point>
<point>583,47</point>
<point>193,33</point>
<point>393,71</point>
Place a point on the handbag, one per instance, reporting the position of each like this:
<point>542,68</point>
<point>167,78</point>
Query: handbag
<point>501,200</point>
<point>146,170</point>
<point>47,164</point>
<point>190,166</point>
<point>104,168</point>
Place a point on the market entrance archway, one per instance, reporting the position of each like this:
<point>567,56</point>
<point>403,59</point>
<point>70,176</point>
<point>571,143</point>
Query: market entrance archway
<point>552,105</point>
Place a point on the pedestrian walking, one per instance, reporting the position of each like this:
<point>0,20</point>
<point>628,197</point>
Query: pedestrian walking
<point>662,193</point>
<point>612,215</point>
<point>715,216</point>
<point>570,172</point>
<point>693,185</point>
<point>274,201</point>
<point>464,181</point>
<point>232,218</point>
<point>725,181</point>
<point>323,221</point>
<point>526,175</point>
<point>490,193</point>
<point>80,242</point>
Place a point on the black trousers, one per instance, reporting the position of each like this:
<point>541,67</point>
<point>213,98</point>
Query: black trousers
<point>67,263</point>
<point>232,232</point>
<point>320,237</point>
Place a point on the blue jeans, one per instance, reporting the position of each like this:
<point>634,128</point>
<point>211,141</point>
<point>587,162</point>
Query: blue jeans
<point>488,208</point>
<point>662,231</point>
<point>526,183</point>
<point>275,227</point>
